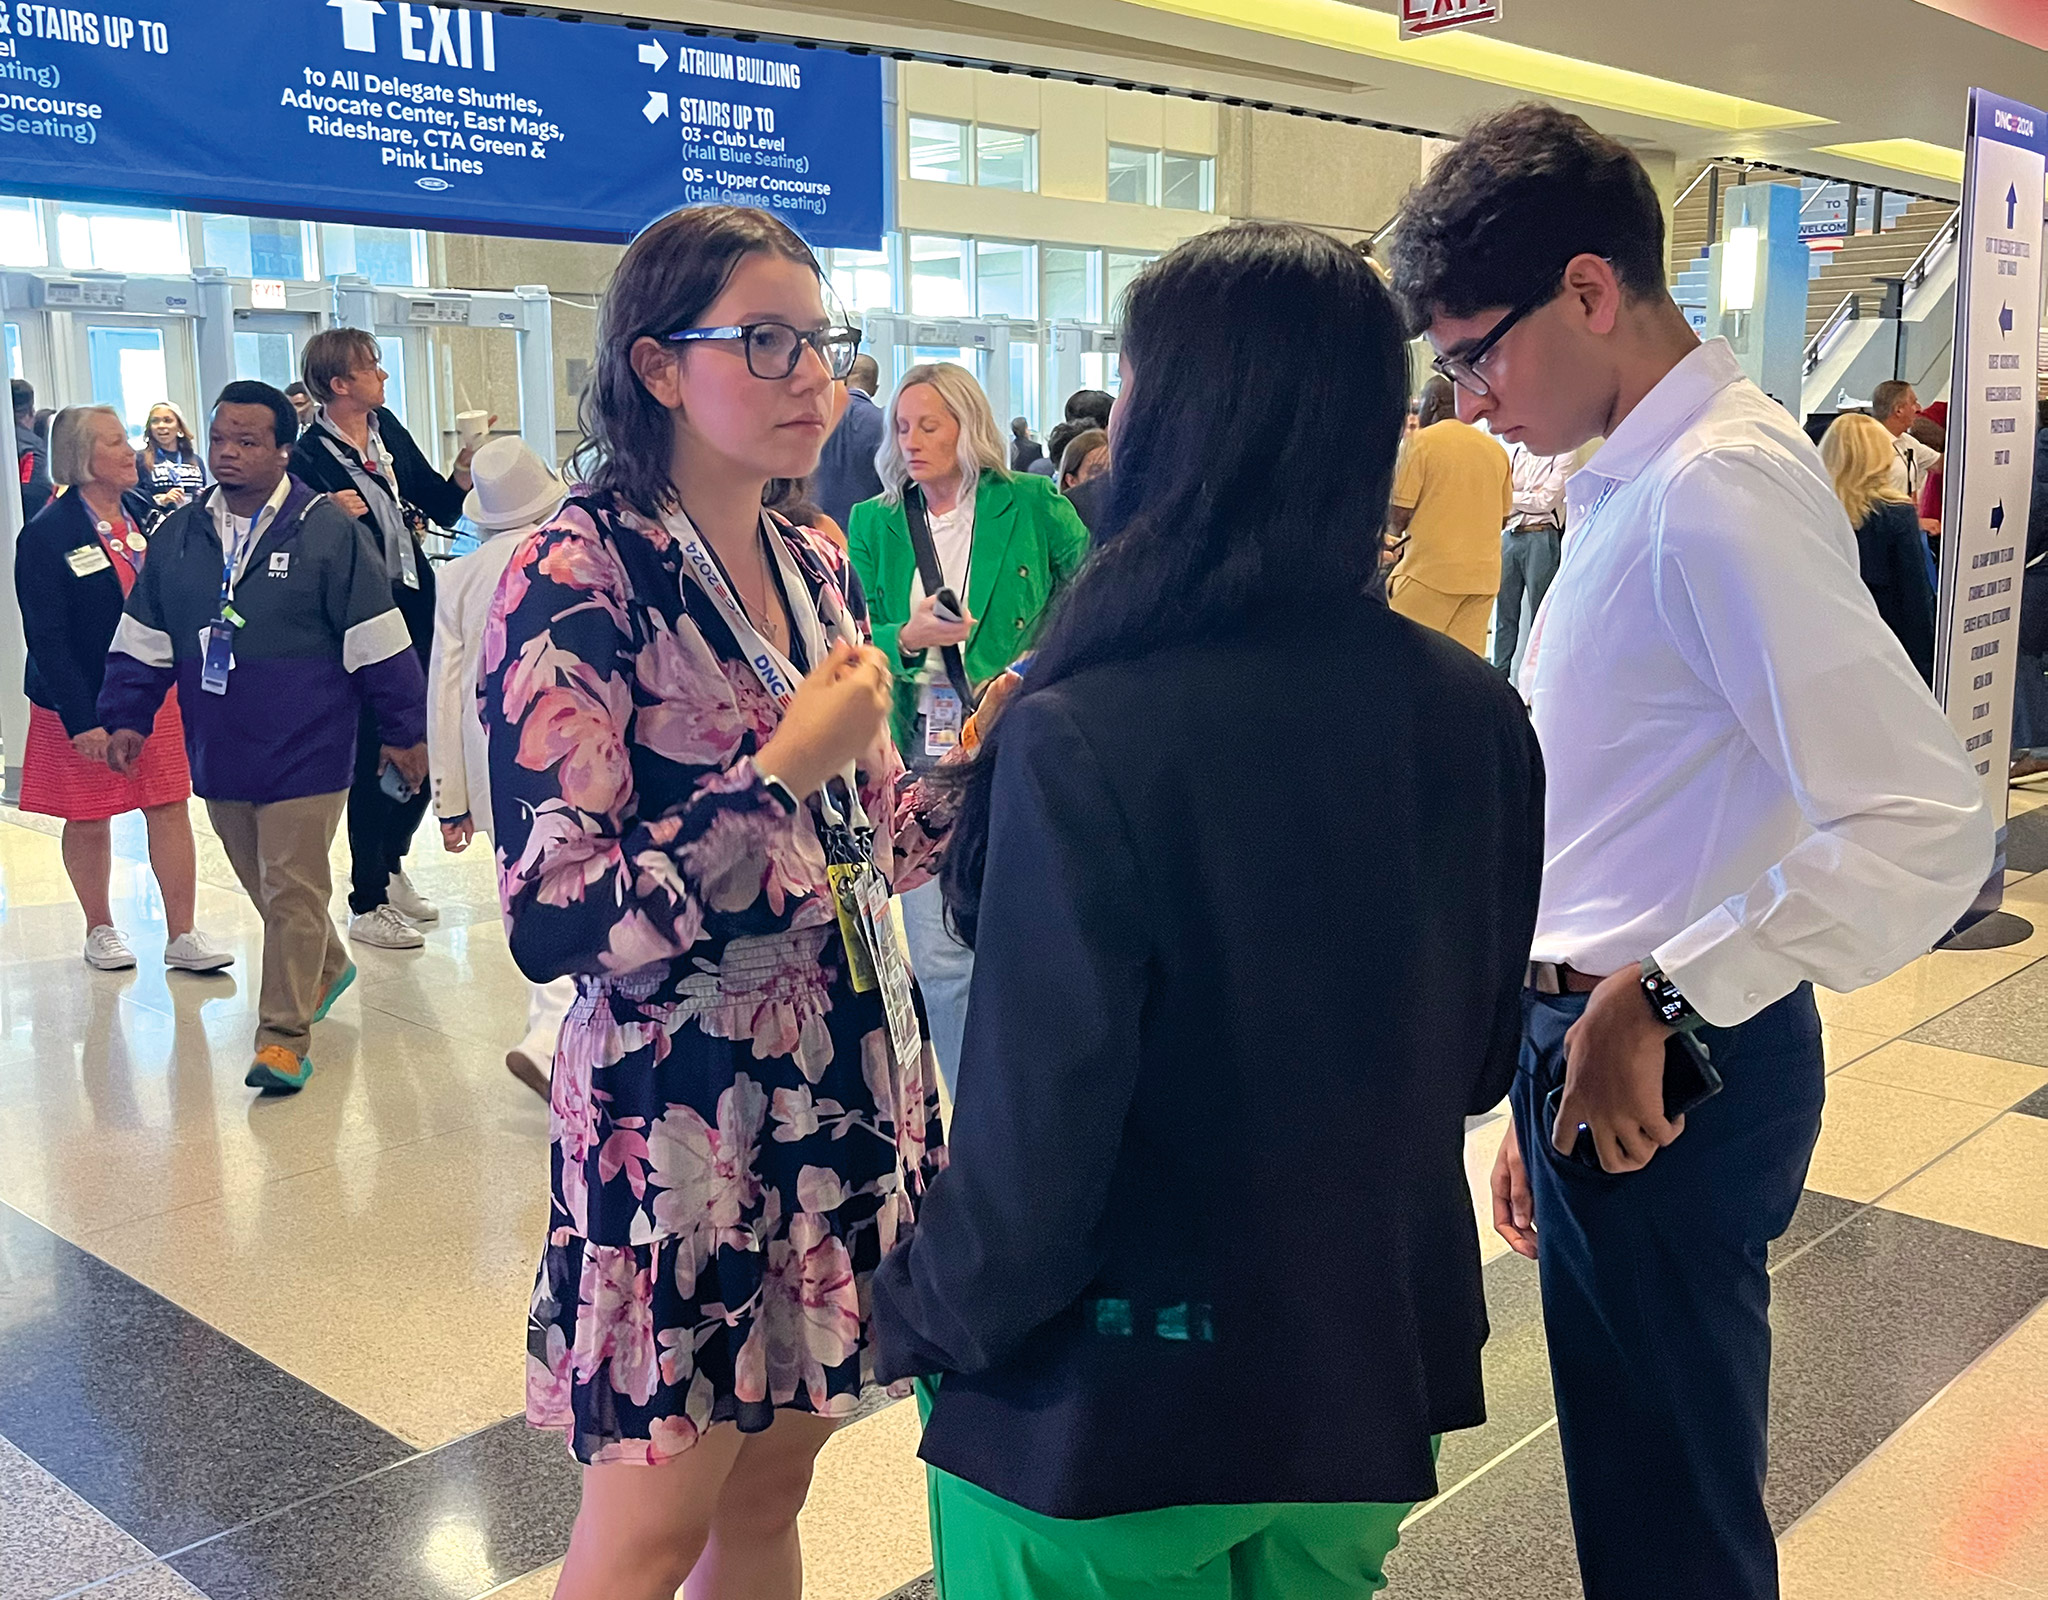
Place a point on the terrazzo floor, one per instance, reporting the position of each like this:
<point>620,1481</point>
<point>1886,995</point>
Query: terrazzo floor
<point>274,1350</point>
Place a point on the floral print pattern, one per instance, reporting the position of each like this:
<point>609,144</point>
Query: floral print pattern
<point>735,1144</point>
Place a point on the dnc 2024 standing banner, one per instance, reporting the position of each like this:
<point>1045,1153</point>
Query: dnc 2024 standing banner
<point>1988,474</point>
<point>432,116</point>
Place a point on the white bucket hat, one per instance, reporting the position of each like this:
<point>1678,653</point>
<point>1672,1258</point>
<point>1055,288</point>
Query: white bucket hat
<point>514,488</point>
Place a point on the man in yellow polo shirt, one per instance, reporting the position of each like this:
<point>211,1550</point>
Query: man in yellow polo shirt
<point>1453,492</point>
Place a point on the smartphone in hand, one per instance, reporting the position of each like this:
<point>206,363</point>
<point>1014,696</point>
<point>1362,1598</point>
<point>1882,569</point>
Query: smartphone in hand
<point>946,607</point>
<point>1690,1080</point>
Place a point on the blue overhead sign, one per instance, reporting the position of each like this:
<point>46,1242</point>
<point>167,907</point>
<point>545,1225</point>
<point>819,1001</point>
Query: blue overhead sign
<point>432,116</point>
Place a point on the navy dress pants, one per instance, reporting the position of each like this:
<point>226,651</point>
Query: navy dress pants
<point>1656,1304</point>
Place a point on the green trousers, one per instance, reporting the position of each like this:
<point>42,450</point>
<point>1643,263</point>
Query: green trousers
<point>986,1548</point>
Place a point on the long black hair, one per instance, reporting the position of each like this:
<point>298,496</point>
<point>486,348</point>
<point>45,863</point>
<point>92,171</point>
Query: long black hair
<point>1254,455</point>
<point>667,279</point>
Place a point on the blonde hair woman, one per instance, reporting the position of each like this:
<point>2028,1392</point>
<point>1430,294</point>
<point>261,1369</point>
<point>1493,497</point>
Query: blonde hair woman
<point>1005,544</point>
<point>74,565</point>
<point>1898,568</point>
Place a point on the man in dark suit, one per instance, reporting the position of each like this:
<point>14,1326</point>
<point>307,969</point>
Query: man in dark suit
<point>846,469</point>
<point>31,453</point>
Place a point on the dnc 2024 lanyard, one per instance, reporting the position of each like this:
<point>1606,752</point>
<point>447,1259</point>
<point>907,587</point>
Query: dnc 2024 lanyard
<point>778,674</point>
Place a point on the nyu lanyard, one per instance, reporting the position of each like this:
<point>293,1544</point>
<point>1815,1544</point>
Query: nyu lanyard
<point>778,674</point>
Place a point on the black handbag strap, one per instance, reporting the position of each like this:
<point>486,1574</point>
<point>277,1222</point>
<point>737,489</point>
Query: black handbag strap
<point>934,580</point>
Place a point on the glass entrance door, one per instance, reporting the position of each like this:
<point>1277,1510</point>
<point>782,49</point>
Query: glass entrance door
<point>268,345</point>
<point>130,363</point>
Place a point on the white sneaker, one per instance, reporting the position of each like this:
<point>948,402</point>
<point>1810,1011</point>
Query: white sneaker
<point>107,950</point>
<point>532,1062</point>
<point>385,929</point>
<point>412,905</point>
<point>194,952</point>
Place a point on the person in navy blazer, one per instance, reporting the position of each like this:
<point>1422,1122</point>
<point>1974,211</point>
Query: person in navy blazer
<point>1249,865</point>
<point>73,567</point>
<point>846,472</point>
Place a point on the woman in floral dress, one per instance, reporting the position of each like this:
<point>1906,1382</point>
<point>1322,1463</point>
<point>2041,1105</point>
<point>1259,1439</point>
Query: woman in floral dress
<point>737,1137</point>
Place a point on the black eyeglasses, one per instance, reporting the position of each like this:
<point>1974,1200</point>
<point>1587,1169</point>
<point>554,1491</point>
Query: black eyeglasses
<point>1463,370</point>
<point>774,348</point>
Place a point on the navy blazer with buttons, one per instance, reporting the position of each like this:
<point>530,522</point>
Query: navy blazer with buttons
<point>67,620</point>
<point>1252,940</point>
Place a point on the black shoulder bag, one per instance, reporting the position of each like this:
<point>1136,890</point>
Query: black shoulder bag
<point>934,581</point>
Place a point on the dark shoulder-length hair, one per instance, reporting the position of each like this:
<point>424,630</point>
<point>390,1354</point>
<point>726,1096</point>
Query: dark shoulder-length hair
<point>667,279</point>
<point>1225,513</point>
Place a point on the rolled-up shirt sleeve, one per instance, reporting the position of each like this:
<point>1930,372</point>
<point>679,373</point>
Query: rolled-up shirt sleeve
<point>1902,835</point>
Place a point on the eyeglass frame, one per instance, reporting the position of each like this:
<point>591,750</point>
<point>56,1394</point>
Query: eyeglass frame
<point>815,338</point>
<point>1470,360</point>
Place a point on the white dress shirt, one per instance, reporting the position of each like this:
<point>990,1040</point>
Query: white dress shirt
<point>1747,777</point>
<point>239,536</point>
<point>1911,462</point>
<point>1539,485</point>
<point>953,544</point>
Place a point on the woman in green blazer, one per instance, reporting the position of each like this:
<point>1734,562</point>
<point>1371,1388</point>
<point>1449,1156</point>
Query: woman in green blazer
<point>1005,543</point>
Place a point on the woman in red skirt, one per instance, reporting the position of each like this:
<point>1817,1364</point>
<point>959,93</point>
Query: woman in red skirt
<point>73,567</point>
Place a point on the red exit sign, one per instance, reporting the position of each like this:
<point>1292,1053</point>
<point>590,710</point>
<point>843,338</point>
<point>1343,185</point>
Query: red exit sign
<point>1421,18</point>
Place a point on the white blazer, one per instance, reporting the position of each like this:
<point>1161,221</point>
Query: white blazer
<point>457,756</point>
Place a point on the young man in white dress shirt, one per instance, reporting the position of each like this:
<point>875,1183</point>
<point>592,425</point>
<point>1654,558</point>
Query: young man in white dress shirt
<point>1750,791</point>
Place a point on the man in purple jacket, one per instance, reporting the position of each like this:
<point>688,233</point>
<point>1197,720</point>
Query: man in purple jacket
<point>269,608</point>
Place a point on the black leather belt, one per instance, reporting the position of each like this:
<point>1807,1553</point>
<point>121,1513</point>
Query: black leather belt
<point>1558,977</point>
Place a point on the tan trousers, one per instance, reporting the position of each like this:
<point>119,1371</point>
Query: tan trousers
<point>1462,616</point>
<point>279,851</point>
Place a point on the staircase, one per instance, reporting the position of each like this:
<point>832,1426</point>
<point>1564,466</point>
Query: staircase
<point>1841,273</point>
<point>1850,269</point>
<point>1689,241</point>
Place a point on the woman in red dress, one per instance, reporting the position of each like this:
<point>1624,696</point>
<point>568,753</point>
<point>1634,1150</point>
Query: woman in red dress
<point>73,567</point>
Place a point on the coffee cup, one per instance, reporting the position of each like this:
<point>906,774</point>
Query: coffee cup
<point>470,428</point>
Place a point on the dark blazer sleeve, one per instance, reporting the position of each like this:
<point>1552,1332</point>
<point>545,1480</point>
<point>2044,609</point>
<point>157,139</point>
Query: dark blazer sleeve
<point>439,497</point>
<point>1010,1233</point>
<point>57,617</point>
<point>1520,886</point>
<point>1916,587</point>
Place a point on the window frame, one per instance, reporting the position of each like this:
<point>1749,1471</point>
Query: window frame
<point>1205,181</point>
<point>1151,170</point>
<point>965,146</point>
<point>1030,138</point>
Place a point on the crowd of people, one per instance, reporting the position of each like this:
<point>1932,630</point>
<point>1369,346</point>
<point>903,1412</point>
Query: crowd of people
<point>1155,791</point>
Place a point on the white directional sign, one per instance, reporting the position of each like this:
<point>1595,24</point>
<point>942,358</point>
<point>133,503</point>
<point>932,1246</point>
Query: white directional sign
<point>1989,469</point>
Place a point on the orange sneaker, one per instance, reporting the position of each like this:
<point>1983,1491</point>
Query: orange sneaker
<point>277,1071</point>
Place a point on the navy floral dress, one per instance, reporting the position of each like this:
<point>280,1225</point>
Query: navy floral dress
<point>735,1146</point>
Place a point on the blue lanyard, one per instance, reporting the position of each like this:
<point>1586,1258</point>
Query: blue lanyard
<point>230,550</point>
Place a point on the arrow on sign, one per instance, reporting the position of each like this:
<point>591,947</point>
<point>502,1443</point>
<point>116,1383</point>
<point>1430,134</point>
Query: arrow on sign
<point>2012,205</point>
<point>2005,319</point>
<point>1998,516</point>
<point>652,55</point>
<point>656,107</point>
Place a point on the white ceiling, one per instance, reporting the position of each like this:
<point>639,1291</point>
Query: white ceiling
<point>1877,69</point>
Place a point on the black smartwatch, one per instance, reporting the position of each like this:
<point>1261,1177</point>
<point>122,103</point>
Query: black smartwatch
<point>1671,1006</point>
<point>783,795</point>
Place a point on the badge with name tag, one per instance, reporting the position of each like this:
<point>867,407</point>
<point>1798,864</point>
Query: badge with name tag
<point>892,968</point>
<point>845,880</point>
<point>86,560</point>
<point>218,641</point>
<point>943,718</point>
<point>280,563</point>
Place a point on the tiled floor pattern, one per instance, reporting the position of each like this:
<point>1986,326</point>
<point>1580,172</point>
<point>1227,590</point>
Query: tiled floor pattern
<point>272,1349</point>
